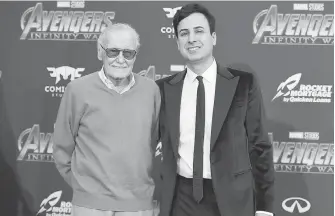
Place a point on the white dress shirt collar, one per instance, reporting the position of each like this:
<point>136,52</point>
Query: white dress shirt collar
<point>209,75</point>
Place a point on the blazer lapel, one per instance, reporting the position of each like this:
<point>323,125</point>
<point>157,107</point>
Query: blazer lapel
<point>224,93</point>
<point>173,91</point>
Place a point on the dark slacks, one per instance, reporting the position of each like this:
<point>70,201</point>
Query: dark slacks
<point>184,203</point>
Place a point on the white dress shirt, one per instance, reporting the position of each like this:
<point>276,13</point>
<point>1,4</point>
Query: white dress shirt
<point>110,84</point>
<point>187,123</point>
<point>187,120</point>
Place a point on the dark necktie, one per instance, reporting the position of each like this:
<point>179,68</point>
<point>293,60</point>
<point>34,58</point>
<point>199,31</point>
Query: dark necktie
<point>199,142</point>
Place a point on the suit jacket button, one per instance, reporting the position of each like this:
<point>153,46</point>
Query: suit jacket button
<point>212,160</point>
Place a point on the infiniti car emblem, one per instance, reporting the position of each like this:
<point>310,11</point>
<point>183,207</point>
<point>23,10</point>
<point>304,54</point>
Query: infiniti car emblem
<point>301,204</point>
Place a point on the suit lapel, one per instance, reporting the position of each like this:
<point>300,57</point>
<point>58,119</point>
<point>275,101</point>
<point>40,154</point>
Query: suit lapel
<point>224,93</point>
<point>173,91</point>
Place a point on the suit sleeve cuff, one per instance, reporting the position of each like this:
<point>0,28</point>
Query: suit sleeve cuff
<point>264,212</point>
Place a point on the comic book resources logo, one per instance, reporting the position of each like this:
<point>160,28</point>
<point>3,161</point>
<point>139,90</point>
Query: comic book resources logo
<point>35,146</point>
<point>39,24</point>
<point>306,93</point>
<point>293,204</point>
<point>271,27</point>
<point>169,30</point>
<point>49,206</point>
<point>62,73</point>
<point>303,157</point>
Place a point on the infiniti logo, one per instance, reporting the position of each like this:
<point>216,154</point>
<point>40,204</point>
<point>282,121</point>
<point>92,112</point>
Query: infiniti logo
<point>301,204</point>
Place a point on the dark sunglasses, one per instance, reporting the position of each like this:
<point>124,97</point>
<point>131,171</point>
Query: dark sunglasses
<point>113,53</point>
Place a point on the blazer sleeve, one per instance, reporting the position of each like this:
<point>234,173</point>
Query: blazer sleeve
<point>260,149</point>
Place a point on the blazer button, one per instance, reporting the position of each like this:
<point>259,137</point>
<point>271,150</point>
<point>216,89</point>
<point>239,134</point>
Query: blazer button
<point>212,159</point>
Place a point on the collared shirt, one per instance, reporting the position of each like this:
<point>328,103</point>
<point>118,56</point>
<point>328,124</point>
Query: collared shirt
<point>110,84</point>
<point>187,120</point>
<point>187,123</point>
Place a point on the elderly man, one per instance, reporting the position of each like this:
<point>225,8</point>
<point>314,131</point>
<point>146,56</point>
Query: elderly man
<point>105,128</point>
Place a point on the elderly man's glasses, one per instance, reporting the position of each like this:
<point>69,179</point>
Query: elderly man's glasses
<point>113,53</point>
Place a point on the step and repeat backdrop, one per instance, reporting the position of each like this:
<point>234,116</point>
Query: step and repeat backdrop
<point>46,45</point>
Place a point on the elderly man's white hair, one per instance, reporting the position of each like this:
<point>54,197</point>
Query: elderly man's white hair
<point>116,26</point>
